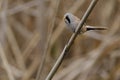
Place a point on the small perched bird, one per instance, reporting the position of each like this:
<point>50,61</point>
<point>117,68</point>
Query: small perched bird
<point>72,22</point>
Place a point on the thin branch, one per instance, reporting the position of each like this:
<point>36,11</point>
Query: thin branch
<point>56,34</point>
<point>73,37</point>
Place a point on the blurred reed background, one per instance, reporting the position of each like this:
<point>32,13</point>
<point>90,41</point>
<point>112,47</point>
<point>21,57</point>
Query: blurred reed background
<point>32,31</point>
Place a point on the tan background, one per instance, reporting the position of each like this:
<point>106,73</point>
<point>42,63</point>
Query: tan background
<point>31,28</point>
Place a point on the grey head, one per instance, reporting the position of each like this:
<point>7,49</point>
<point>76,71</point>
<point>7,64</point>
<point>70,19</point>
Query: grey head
<point>70,21</point>
<point>69,18</point>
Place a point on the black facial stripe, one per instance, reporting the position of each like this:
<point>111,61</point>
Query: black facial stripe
<point>68,19</point>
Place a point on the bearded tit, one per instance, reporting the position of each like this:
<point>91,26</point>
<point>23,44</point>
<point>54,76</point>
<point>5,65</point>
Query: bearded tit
<point>72,22</point>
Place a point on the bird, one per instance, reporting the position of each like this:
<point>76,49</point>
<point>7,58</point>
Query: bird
<point>72,22</point>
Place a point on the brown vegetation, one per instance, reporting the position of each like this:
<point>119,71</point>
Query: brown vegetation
<point>32,31</point>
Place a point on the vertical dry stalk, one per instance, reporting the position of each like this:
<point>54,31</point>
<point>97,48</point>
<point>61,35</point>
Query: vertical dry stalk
<point>5,63</point>
<point>73,37</point>
<point>47,42</point>
<point>41,26</point>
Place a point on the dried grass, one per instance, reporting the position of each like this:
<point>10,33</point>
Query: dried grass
<point>25,26</point>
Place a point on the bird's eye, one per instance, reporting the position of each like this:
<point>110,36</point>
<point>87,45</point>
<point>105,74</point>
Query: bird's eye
<point>68,19</point>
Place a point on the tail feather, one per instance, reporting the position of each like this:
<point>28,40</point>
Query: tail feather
<point>95,28</point>
<point>89,28</point>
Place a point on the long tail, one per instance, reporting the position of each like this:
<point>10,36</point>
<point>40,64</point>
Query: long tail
<point>95,28</point>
